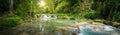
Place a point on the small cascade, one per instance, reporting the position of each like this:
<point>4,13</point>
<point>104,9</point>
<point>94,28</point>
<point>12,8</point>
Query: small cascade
<point>89,29</point>
<point>45,18</point>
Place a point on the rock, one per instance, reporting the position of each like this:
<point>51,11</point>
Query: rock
<point>73,30</point>
<point>100,21</point>
<point>108,23</point>
<point>97,23</point>
<point>38,33</point>
<point>23,33</point>
<point>61,29</point>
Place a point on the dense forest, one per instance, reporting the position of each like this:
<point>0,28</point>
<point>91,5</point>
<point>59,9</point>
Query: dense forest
<point>16,12</point>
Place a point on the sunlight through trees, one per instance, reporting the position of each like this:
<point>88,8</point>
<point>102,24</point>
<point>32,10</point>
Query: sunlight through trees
<point>41,3</point>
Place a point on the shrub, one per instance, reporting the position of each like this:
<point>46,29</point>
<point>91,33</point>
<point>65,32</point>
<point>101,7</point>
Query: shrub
<point>8,22</point>
<point>90,15</point>
<point>87,15</point>
<point>116,17</point>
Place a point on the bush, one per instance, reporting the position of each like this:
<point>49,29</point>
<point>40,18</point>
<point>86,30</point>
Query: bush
<point>90,15</point>
<point>8,22</point>
<point>116,17</point>
<point>87,15</point>
<point>63,16</point>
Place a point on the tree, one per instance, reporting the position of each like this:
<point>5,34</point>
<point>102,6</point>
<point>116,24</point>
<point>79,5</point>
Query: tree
<point>11,7</point>
<point>107,8</point>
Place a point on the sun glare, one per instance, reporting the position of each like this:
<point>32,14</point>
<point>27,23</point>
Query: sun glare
<point>42,3</point>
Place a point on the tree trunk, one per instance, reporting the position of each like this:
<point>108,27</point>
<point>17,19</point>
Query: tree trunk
<point>31,8</point>
<point>11,7</point>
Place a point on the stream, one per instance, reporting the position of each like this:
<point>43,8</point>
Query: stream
<point>61,27</point>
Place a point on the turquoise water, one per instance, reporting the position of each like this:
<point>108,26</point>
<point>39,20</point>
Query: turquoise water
<point>56,27</point>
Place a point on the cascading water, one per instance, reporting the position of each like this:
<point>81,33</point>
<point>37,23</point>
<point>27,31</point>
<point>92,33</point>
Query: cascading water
<point>86,30</point>
<point>107,30</point>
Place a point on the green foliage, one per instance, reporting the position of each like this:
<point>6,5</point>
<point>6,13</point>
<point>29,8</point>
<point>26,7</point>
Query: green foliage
<point>22,7</point>
<point>63,16</point>
<point>61,7</point>
<point>9,22</point>
<point>116,17</point>
<point>26,9</point>
<point>75,9</point>
<point>90,15</point>
<point>87,15</point>
<point>107,8</point>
